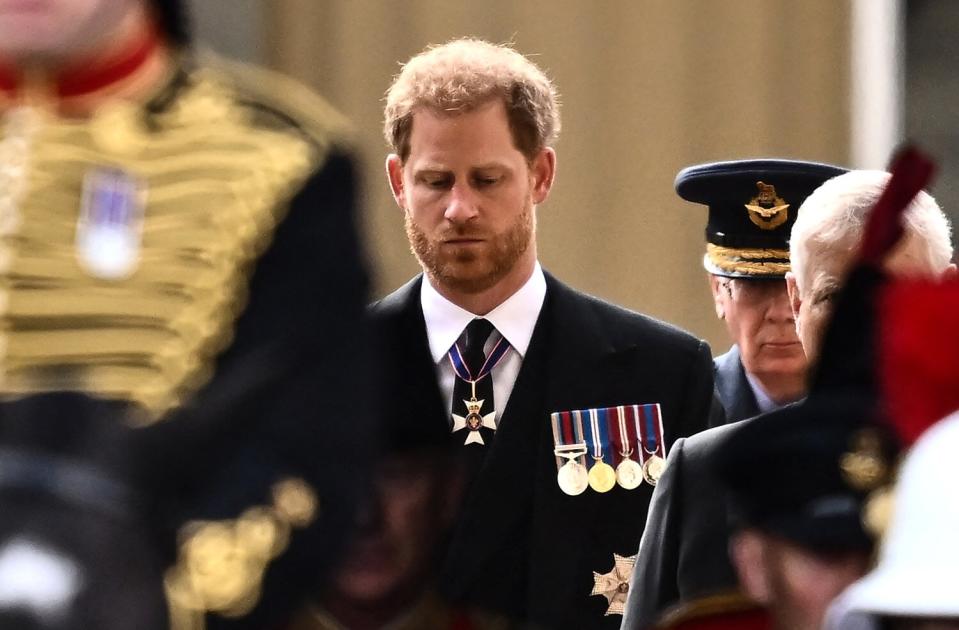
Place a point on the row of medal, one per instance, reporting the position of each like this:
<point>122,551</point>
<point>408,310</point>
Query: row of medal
<point>590,442</point>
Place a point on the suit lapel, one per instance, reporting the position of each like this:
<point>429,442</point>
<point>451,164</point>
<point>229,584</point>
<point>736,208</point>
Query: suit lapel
<point>402,331</point>
<point>499,502</point>
<point>578,346</point>
<point>515,491</point>
<point>734,390</point>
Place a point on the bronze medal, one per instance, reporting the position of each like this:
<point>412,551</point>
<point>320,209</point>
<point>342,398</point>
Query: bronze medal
<point>602,477</point>
<point>629,474</point>
<point>653,469</point>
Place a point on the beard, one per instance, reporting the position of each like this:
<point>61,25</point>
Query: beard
<point>472,270</point>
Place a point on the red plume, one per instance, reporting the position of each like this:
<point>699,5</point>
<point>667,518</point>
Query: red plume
<point>919,353</point>
<point>911,171</point>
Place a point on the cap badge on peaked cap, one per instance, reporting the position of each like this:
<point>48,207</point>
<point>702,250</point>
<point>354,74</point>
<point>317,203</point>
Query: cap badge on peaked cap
<point>766,210</point>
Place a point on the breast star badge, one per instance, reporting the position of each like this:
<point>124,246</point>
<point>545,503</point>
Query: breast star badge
<point>614,586</point>
<point>474,421</point>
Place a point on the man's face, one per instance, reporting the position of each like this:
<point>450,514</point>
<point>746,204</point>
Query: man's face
<point>59,29</point>
<point>398,532</point>
<point>760,321</point>
<point>794,583</point>
<point>468,195</point>
<point>813,302</point>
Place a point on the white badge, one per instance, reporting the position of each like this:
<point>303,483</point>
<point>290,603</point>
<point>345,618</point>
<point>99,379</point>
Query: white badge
<point>110,226</point>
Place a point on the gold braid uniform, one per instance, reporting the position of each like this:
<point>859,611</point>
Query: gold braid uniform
<point>219,163</point>
<point>248,261</point>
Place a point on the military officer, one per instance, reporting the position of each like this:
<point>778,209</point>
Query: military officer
<point>683,554</point>
<point>753,205</point>
<point>547,391</point>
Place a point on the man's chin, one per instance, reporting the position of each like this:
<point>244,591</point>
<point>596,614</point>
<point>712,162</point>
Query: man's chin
<point>468,281</point>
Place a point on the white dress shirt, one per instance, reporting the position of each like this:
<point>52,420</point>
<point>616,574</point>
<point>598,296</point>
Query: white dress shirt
<point>763,400</point>
<point>514,319</point>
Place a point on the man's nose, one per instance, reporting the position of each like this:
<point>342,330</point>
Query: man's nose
<point>779,309</point>
<point>462,204</point>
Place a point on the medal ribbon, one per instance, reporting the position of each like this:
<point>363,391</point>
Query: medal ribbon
<point>599,435</point>
<point>492,360</point>
<point>620,424</point>
<point>568,431</point>
<point>651,428</point>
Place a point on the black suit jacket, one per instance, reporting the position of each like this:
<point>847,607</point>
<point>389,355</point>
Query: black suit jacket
<point>684,550</point>
<point>733,389</point>
<point>521,547</point>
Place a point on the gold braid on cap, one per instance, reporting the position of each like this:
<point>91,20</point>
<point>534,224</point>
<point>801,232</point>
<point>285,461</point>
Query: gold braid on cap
<point>757,262</point>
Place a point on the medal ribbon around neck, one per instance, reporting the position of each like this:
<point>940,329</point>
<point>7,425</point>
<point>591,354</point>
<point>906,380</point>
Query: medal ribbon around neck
<point>474,420</point>
<point>492,360</point>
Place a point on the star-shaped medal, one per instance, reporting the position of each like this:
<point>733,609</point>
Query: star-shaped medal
<point>614,586</point>
<point>473,421</point>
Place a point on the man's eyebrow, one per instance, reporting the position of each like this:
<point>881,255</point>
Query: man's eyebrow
<point>430,168</point>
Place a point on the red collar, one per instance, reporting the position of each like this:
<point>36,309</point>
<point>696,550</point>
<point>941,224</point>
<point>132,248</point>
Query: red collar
<point>86,78</point>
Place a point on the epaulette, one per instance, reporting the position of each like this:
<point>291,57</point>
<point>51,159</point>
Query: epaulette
<point>279,101</point>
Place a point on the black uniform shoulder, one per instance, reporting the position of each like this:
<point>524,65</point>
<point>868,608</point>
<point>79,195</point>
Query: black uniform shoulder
<point>278,102</point>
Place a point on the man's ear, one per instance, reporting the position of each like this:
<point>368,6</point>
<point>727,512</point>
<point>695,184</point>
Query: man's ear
<point>748,550</point>
<point>543,170</point>
<point>716,286</point>
<point>394,173</point>
<point>950,273</point>
<point>792,289</point>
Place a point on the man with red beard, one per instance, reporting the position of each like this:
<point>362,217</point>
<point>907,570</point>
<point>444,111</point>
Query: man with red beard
<point>540,382</point>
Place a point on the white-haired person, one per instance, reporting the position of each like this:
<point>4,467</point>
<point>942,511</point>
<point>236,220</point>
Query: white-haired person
<point>826,236</point>
<point>675,544</point>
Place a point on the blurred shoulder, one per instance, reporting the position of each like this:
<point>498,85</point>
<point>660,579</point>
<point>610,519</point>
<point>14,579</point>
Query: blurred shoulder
<point>274,101</point>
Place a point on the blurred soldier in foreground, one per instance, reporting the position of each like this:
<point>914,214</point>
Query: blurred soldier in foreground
<point>686,534</point>
<point>753,205</point>
<point>559,404</point>
<point>389,574</point>
<point>168,229</point>
<point>798,536</point>
<point>913,586</point>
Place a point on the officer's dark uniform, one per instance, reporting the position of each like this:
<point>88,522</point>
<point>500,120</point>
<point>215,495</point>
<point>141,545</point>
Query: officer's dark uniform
<point>804,473</point>
<point>753,205</point>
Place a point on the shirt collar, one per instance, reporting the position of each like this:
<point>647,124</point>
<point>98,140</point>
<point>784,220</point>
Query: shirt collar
<point>515,318</point>
<point>763,400</point>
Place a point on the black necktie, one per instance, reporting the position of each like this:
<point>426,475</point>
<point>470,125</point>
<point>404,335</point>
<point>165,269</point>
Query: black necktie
<point>473,410</point>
